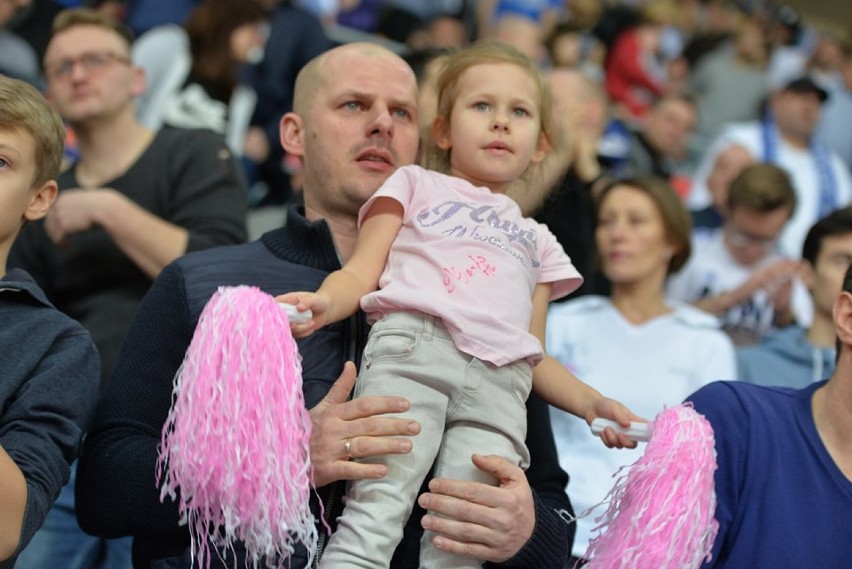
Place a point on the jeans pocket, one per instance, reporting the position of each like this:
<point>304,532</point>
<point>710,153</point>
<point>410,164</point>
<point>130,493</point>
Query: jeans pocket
<point>390,345</point>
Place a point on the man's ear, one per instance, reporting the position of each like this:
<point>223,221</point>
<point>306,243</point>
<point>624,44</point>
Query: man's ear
<point>41,201</point>
<point>139,82</point>
<point>291,131</point>
<point>843,318</point>
<point>441,133</point>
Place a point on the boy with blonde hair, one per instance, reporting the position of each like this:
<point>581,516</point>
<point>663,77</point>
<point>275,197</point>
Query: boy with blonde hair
<point>49,367</point>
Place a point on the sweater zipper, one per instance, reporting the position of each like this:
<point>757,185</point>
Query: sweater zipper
<point>326,515</point>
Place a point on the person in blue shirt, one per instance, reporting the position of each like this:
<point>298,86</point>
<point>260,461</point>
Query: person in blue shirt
<point>796,355</point>
<point>784,478</point>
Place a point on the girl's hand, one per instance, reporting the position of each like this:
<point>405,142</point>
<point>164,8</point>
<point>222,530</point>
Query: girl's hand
<point>611,409</point>
<point>304,301</point>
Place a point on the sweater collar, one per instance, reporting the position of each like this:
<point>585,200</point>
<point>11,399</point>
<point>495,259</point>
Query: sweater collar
<point>20,281</point>
<point>304,242</point>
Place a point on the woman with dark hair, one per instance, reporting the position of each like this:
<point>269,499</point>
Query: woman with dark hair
<point>634,344</point>
<point>194,71</point>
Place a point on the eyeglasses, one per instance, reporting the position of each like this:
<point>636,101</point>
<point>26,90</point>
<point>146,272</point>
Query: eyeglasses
<point>739,238</point>
<point>92,62</point>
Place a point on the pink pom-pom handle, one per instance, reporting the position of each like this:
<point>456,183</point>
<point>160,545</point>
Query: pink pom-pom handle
<point>661,510</point>
<point>236,441</point>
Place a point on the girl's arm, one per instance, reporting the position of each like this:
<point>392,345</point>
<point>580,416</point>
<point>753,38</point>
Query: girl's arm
<point>551,381</point>
<point>340,294</point>
<point>561,388</point>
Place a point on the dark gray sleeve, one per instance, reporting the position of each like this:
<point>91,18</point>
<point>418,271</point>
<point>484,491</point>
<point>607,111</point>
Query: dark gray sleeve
<point>209,195</point>
<point>42,427</point>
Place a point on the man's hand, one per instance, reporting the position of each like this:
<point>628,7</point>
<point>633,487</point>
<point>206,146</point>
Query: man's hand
<point>72,212</point>
<point>478,520</point>
<point>355,429</point>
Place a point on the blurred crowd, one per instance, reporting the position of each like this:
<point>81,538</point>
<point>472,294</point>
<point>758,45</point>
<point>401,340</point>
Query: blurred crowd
<point>742,109</point>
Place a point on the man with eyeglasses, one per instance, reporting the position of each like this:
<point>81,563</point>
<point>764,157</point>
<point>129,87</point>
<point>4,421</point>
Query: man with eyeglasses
<point>134,201</point>
<point>737,272</point>
<point>800,355</point>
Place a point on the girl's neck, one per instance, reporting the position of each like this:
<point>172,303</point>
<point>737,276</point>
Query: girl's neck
<point>639,302</point>
<point>495,188</point>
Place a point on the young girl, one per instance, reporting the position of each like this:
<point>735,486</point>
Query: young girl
<point>457,283</point>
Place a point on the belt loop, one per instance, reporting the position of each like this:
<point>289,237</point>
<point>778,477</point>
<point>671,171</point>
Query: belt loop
<point>428,326</point>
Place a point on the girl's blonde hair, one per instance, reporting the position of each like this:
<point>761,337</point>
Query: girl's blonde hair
<point>452,68</point>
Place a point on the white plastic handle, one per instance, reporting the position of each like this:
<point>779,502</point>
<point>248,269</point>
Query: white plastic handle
<point>293,315</point>
<point>638,432</point>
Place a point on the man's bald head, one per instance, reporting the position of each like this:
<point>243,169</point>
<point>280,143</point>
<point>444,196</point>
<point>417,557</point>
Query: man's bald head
<point>574,83</point>
<point>313,76</point>
<point>574,92</point>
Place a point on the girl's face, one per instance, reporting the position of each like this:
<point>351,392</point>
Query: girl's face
<point>494,130</point>
<point>631,237</point>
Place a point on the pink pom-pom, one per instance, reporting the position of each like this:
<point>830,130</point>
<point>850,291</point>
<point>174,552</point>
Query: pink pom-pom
<point>661,510</point>
<point>236,441</point>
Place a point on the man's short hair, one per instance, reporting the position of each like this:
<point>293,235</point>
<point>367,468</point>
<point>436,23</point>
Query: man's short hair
<point>763,188</point>
<point>24,110</point>
<point>847,281</point>
<point>73,17</point>
<point>836,223</point>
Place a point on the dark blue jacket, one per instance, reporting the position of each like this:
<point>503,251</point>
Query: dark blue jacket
<point>49,374</point>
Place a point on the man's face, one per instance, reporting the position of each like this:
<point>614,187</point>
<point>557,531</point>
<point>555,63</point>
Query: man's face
<point>825,280</point>
<point>750,234</point>
<point>669,125</point>
<point>797,114</point>
<point>89,74</point>
<point>358,129</point>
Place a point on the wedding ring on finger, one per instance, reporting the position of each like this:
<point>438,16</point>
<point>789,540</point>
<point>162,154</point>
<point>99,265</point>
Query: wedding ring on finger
<point>347,447</point>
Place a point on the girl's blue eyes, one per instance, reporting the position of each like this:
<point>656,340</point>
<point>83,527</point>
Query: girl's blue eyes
<point>518,112</point>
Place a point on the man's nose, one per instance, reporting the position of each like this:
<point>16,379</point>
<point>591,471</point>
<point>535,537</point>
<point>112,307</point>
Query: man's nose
<point>382,122</point>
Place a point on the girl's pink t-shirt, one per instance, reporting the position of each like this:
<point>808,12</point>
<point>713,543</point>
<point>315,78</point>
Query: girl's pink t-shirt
<point>469,257</point>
